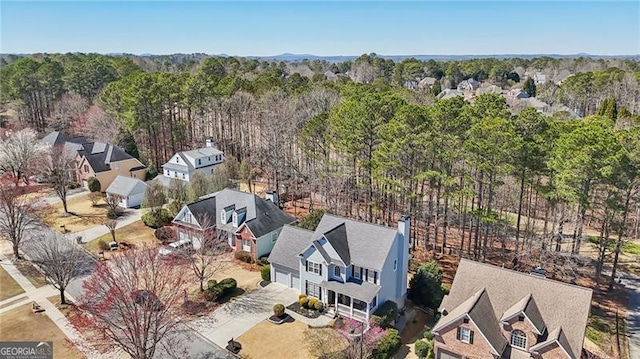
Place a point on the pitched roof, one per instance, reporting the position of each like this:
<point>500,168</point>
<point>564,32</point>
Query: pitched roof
<point>57,138</point>
<point>99,155</point>
<point>126,186</point>
<point>191,156</point>
<point>291,241</point>
<point>367,244</point>
<point>262,216</point>
<point>559,304</point>
<point>201,152</point>
<point>555,337</point>
<point>527,306</point>
<point>358,289</point>
<point>479,309</point>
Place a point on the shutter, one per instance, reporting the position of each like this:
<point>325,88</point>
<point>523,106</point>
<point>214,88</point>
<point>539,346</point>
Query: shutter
<point>366,274</point>
<point>320,268</point>
<point>458,333</point>
<point>361,273</point>
<point>375,277</point>
<point>471,337</point>
<point>306,265</point>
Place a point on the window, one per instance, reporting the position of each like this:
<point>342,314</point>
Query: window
<point>246,243</point>
<point>372,276</point>
<point>518,339</point>
<point>183,176</point>
<point>465,335</point>
<point>199,162</point>
<point>86,168</point>
<point>336,271</point>
<point>223,216</point>
<point>395,264</point>
<point>274,238</point>
<point>187,217</point>
<point>177,159</point>
<point>315,268</point>
<point>374,302</point>
<point>357,272</point>
<point>313,290</point>
<point>234,219</point>
<point>117,166</point>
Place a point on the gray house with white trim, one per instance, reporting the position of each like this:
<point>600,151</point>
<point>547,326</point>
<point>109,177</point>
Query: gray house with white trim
<point>350,266</point>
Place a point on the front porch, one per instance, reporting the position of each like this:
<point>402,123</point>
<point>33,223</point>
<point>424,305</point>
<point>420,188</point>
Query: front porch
<point>356,300</point>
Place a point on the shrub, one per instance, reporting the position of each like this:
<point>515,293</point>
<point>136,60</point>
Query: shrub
<point>211,283</point>
<point>156,220</point>
<point>445,288</point>
<point>243,256</point>
<point>302,295</point>
<point>165,234</point>
<point>151,173</point>
<point>424,348</point>
<point>278,310</point>
<point>388,345</point>
<point>425,286</point>
<point>312,303</point>
<point>103,245</point>
<point>94,184</point>
<point>210,294</point>
<point>264,260</point>
<point>385,314</point>
<point>95,197</point>
<point>73,185</point>
<point>265,272</point>
<point>318,306</point>
<point>111,214</point>
<point>303,301</point>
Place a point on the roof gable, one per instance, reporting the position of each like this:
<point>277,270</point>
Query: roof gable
<point>290,243</point>
<point>126,186</point>
<point>337,238</point>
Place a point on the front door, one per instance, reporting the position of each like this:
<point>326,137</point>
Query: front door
<point>331,298</point>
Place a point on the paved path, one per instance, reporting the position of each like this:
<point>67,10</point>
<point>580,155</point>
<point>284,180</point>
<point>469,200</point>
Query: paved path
<point>130,216</point>
<point>53,199</point>
<point>236,317</point>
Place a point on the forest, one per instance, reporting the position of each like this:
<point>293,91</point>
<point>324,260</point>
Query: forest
<point>477,178</point>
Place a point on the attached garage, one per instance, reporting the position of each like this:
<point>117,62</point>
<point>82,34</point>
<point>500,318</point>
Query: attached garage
<point>285,276</point>
<point>129,189</point>
<point>284,257</point>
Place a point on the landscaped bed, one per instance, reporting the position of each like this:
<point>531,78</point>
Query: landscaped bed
<point>309,313</point>
<point>10,287</point>
<point>23,325</point>
<point>82,214</point>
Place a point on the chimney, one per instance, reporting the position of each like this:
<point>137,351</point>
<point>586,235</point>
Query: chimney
<point>271,195</point>
<point>209,142</point>
<point>404,231</point>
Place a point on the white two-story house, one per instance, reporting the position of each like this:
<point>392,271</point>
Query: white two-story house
<point>350,266</point>
<point>183,165</point>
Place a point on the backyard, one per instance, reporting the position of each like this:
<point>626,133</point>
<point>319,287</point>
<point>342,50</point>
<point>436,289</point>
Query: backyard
<point>135,234</point>
<point>82,214</point>
<point>23,325</point>
<point>267,340</point>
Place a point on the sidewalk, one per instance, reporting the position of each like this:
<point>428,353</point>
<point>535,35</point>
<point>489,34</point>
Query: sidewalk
<point>53,199</point>
<point>131,216</point>
<point>39,295</point>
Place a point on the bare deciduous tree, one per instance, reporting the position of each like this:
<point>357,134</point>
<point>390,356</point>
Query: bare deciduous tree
<point>95,197</point>
<point>17,214</point>
<point>111,224</point>
<point>59,165</point>
<point>101,126</point>
<point>68,109</point>
<point>204,259</point>
<point>131,299</point>
<point>60,260</point>
<point>113,202</point>
<point>18,153</point>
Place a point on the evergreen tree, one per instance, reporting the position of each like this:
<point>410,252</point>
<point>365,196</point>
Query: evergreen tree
<point>529,87</point>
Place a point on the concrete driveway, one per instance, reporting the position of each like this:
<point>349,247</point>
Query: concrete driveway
<point>632,283</point>
<point>234,318</point>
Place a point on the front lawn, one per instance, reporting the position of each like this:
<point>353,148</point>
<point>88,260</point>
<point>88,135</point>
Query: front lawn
<point>10,287</point>
<point>33,275</point>
<point>135,234</point>
<point>21,324</point>
<point>82,214</point>
<point>267,340</point>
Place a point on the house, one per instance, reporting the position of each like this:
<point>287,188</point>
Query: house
<point>350,266</point>
<point>245,221</point>
<point>468,85</point>
<point>131,190</point>
<point>183,165</point>
<point>539,78</point>
<point>426,83</point>
<point>449,93</point>
<point>492,312</point>
<point>517,94</point>
<point>97,159</point>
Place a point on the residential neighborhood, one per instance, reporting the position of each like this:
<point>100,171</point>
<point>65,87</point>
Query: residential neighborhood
<point>319,180</point>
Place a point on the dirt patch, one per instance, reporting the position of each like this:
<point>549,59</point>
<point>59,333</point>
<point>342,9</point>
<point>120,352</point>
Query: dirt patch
<point>416,328</point>
<point>83,215</point>
<point>10,287</point>
<point>21,324</point>
<point>267,340</point>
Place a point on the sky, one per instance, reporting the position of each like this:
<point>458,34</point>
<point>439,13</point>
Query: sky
<point>266,28</point>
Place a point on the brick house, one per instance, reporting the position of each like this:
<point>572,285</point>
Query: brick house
<point>243,220</point>
<point>493,312</point>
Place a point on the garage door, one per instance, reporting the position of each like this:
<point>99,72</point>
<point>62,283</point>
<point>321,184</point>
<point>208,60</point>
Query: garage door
<point>295,281</point>
<point>282,277</point>
<point>442,354</point>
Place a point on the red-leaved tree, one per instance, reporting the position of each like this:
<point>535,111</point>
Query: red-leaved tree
<point>132,299</point>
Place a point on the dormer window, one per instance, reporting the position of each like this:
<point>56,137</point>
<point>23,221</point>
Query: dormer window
<point>518,339</point>
<point>465,335</point>
<point>177,159</point>
<point>336,271</point>
<point>235,219</point>
<point>199,162</point>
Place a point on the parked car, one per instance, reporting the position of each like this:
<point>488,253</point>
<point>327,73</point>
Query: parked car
<point>176,247</point>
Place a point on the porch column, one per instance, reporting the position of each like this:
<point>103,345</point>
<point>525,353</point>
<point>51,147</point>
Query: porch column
<point>368,305</point>
<point>335,299</point>
<point>351,302</point>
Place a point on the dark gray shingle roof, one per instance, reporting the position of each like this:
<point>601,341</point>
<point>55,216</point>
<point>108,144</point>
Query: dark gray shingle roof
<point>337,237</point>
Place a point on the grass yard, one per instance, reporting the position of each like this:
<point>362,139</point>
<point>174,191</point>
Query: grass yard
<point>83,214</point>
<point>136,234</point>
<point>21,324</point>
<point>9,287</point>
<point>33,275</point>
<point>267,340</point>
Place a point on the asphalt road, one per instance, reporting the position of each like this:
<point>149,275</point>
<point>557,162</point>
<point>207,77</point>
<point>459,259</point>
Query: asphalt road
<point>196,346</point>
<point>632,283</point>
